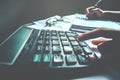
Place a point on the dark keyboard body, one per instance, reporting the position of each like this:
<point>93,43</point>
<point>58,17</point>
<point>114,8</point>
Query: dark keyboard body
<point>59,49</point>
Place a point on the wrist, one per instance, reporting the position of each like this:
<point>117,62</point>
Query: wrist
<point>113,12</point>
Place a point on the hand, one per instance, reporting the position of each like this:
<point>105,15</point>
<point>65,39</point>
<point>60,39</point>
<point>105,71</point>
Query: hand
<point>108,45</point>
<point>92,12</point>
<point>99,32</point>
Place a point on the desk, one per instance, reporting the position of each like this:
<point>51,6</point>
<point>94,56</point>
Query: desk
<point>97,72</point>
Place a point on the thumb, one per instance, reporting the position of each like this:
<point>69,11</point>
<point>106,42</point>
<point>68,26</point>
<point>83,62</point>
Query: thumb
<point>100,41</point>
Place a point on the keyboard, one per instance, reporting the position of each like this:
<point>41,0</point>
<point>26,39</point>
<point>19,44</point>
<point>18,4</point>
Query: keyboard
<point>59,49</point>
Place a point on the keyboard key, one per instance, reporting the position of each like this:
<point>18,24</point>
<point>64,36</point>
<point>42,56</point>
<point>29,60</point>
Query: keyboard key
<point>46,58</point>
<point>58,60</point>
<point>47,42</point>
<point>47,49</point>
<point>67,49</point>
<point>71,59</point>
<point>62,34</point>
<point>47,37</point>
<point>54,34</point>
<point>47,33</point>
<point>77,49</point>
<point>65,43</point>
<point>39,48</point>
<point>56,49</point>
<point>82,43</point>
<point>70,34</point>
<point>54,38</point>
<point>82,59</point>
<point>63,38</point>
<point>40,42</point>
<point>41,37</point>
<point>37,58</point>
<point>87,50</point>
<point>72,39</point>
<point>74,43</point>
<point>55,42</point>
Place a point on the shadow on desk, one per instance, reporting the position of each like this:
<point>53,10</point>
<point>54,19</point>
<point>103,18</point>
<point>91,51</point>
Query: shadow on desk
<point>99,72</point>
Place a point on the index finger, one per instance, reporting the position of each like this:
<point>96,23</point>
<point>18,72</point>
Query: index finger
<point>88,35</point>
<point>100,32</point>
<point>89,8</point>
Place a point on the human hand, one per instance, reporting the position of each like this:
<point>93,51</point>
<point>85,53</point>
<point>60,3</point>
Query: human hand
<point>108,45</point>
<point>94,13</point>
<point>99,32</point>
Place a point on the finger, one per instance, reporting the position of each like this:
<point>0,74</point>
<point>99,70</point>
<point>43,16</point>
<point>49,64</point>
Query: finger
<point>88,35</point>
<point>89,9</point>
<point>97,42</point>
<point>100,41</point>
<point>99,32</point>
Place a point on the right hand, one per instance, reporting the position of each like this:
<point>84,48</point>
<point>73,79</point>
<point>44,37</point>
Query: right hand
<point>92,12</point>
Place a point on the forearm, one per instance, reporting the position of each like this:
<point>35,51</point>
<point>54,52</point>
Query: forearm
<point>112,15</point>
<point>113,12</point>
